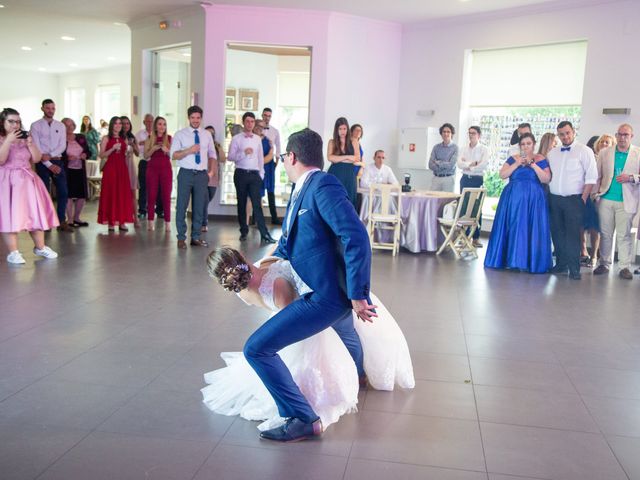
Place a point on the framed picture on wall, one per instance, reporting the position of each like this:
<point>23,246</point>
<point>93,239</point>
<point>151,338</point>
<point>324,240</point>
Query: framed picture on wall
<point>248,99</point>
<point>230,99</point>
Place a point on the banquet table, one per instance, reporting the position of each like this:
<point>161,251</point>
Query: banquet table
<point>420,211</point>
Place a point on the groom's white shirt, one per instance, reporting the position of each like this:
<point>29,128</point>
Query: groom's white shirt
<point>299,185</point>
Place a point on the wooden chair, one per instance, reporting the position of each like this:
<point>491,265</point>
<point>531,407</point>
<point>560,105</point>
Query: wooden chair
<point>385,218</point>
<point>459,230</point>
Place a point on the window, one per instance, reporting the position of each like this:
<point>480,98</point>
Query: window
<point>107,103</point>
<point>75,105</point>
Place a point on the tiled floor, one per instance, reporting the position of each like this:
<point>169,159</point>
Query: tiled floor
<point>518,376</point>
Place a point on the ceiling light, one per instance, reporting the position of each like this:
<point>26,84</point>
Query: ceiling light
<point>111,58</point>
<point>67,38</point>
<point>73,64</point>
<point>42,69</point>
<point>118,24</point>
<point>1,6</point>
<point>26,49</point>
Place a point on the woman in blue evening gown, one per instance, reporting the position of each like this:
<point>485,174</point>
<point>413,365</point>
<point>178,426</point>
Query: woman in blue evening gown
<point>520,237</point>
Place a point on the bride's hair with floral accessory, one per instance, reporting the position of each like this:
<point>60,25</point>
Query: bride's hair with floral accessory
<point>230,268</point>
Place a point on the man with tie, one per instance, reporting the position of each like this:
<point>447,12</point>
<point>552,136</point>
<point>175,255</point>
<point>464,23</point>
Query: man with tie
<point>246,152</point>
<point>574,174</point>
<point>195,153</point>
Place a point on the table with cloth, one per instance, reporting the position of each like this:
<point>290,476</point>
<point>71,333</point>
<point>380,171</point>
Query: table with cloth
<point>420,211</point>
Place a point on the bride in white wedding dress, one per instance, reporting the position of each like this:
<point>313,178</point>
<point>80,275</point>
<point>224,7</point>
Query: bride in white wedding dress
<point>320,365</point>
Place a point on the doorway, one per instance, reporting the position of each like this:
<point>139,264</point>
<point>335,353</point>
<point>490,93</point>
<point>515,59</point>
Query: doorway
<point>171,85</point>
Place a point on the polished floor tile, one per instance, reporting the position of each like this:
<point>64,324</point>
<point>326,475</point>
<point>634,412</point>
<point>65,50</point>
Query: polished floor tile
<point>103,352</point>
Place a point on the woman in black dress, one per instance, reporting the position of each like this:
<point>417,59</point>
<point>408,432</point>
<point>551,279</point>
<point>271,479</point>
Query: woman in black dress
<point>344,153</point>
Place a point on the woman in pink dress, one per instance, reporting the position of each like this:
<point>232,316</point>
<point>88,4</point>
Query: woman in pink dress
<point>25,204</point>
<point>115,207</point>
<point>159,172</point>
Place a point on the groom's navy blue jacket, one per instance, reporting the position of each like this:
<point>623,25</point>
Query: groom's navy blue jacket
<point>328,245</point>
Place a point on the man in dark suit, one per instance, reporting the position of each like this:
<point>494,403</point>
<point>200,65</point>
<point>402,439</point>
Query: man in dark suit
<point>329,249</point>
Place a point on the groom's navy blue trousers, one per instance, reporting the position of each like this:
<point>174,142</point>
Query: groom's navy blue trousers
<point>299,320</point>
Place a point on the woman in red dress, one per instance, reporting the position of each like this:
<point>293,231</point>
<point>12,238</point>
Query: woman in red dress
<point>115,207</point>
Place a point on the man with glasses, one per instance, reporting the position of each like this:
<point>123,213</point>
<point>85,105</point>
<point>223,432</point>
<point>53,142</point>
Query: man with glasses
<point>617,200</point>
<point>50,136</point>
<point>473,162</point>
<point>574,174</point>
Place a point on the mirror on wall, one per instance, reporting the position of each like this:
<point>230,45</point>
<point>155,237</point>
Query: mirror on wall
<point>260,76</point>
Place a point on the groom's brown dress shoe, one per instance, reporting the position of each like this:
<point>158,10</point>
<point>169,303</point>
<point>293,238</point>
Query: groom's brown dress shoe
<point>293,430</point>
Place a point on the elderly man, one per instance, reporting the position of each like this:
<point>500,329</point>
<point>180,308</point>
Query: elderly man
<point>574,170</point>
<point>378,172</point>
<point>617,196</point>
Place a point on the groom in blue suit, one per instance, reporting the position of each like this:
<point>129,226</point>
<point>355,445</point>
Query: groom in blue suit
<point>328,247</point>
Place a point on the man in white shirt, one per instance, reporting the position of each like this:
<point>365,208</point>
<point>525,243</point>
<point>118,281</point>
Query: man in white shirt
<point>247,153</point>
<point>50,136</point>
<point>617,198</point>
<point>377,172</point>
<point>195,153</point>
<point>574,174</point>
<point>141,138</point>
<point>473,161</point>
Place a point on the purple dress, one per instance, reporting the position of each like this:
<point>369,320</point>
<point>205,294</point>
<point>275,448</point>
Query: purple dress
<point>25,203</point>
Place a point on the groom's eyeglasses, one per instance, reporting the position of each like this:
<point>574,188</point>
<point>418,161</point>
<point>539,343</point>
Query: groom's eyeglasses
<point>282,156</point>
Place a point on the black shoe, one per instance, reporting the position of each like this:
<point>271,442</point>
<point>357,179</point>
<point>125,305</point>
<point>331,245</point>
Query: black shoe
<point>294,430</point>
<point>585,261</point>
<point>267,239</point>
<point>243,237</point>
<point>198,243</point>
<point>576,275</point>
<point>276,221</point>
<point>560,270</point>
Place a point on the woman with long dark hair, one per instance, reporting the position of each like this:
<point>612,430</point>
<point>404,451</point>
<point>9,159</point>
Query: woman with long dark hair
<point>132,149</point>
<point>25,204</point>
<point>159,173</point>
<point>344,154</point>
<point>115,206</point>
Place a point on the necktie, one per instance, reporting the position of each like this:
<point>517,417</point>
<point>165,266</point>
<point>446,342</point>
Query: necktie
<point>292,203</point>
<point>197,140</point>
<point>565,149</point>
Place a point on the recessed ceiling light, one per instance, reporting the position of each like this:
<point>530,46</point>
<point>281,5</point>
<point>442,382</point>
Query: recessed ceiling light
<point>73,64</point>
<point>1,6</point>
<point>67,38</point>
<point>42,69</point>
<point>26,49</point>
<point>111,58</point>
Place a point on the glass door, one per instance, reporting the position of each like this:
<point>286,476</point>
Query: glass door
<point>172,85</point>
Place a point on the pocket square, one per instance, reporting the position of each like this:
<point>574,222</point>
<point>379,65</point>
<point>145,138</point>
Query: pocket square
<point>302,211</point>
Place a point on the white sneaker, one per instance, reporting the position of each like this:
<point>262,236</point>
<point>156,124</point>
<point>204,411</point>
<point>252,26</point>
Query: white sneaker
<point>15,257</point>
<point>45,252</point>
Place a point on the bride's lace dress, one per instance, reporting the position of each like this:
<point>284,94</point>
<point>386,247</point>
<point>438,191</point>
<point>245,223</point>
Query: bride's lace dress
<point>320,365</point>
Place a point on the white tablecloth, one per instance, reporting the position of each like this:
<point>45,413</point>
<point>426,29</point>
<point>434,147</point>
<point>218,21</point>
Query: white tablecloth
<point>420,211</point>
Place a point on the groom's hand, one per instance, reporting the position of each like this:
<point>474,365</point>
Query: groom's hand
<point>364,311</point>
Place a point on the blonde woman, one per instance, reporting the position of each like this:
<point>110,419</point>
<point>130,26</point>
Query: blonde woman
<point>547,142</point>
<point>159,172</point>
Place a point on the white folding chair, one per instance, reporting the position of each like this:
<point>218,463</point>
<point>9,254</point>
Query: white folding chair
<point>458,231</point>
<point>386,217</point>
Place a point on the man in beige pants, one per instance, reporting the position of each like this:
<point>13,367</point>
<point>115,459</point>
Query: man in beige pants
<point>618,194</point>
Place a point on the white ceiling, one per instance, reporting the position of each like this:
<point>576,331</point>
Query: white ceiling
<point>39,24</point>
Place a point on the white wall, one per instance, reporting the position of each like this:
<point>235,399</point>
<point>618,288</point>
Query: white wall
<point>24,91</point>
<point>433,55</point>
<point>147,36</point>
<point>363,77</point>
<point>258,71</point>
<point>90,80</point>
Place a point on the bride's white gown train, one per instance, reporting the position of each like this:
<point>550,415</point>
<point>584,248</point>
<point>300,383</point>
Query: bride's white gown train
<point>320,365</point>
